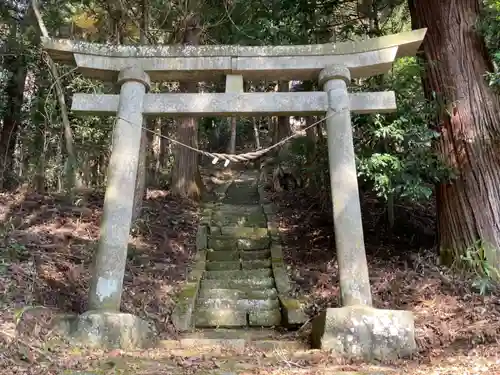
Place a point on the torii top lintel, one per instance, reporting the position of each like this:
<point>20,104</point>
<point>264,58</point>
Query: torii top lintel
<point>211,62</point>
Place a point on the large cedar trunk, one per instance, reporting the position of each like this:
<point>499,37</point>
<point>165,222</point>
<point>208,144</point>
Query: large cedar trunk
<point>469,122</point>
<point>186,179</point>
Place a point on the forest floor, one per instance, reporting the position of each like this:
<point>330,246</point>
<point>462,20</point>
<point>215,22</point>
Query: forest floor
<point>46,248</point>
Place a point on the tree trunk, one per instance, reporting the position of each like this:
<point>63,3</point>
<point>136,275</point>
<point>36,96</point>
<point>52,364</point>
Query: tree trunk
<point>469,206</point>
<point>14,91</point>
<point>232,140</point>
<point>282,129</point>
<point>186,179</point>
<point>72,176</point>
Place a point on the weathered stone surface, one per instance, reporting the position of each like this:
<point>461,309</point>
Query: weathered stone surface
<point>201,63</point>
<point>259,304</point>
<point>244,232</point>
<point>264,318</point>
<point>252,220</point>
<point>182,316</point>
<point>201,237</point>
<point>63,50</point>
<point>112,330</point>
<point>215,230</point>
<point>226,294</point>
<point>256,263</point>
<point>253,244</point>
<point>220,318</point>
<point>263,272</point>
<point>255,255</point>
<point>243,210</point>
<point>310,103</point>
<point>247,283</point>
<point>277,254</point>
<point>349,239</point>
<point>365,332</point>
<point>241,304</point>
<point>281,279</point>
<point>293,312</point>
<point>230,265</point>
<point>221,256</point>
<point>109,261</point>
<point>262,294</point>
<point>222,243</point>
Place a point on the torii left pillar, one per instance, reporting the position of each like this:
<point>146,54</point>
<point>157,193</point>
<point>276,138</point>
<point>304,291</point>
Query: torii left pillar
<point>109,264</point>
<point>104,326</point>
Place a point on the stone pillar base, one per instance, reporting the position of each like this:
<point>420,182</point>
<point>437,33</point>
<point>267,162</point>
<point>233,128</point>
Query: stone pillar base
<point>108,330</point>
<point>363,332</point>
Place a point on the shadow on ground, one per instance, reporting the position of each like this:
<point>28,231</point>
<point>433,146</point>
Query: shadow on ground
<point>48,246</point>
<point>450,317</point>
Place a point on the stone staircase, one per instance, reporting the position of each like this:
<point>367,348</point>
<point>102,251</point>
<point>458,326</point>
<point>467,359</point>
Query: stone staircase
<point>239,279</point>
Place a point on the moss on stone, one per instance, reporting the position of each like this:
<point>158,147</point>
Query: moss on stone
<point>222,256</point>
<point>290,303</point>
<point>189,291</point>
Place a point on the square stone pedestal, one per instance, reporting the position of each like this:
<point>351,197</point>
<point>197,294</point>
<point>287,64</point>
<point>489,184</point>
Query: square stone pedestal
<point>98,329</point>
<point>364,332</point>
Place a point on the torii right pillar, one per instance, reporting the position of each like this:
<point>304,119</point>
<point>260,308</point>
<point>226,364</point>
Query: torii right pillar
<point>355,330</point>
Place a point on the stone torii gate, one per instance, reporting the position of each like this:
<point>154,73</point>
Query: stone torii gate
<point>356,328</point>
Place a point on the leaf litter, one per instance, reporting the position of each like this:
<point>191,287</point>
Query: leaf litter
<point>47,246</point>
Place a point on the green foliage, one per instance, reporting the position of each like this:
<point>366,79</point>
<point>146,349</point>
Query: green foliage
<point>394,151</point>
<point>490,28</point>
<point>485,275</point>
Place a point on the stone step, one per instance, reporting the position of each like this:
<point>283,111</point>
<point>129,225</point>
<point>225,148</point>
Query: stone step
<point>241,284</point>
<point>264,318</point>
<point>221,266</point>
<point>235,255</point>
<point>270,293</point>
<point>255,254</point>
<point>257,263</point>
<point>241,304</point>
<point>240,274</point>
<point>243,232</point>
<point>230,244</point>
<point>220,318</point>
<point>221,256</point>
<point>254,244</point>
<point>238,209</point>
<point>227,294</point>
<point>252,220</point>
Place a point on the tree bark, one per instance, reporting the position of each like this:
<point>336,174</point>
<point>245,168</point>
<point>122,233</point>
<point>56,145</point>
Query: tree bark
<point>72,176</point>
<point>14,91</point>
<point>468,208</point>
<point>283,124</point>
<point>232,140</point>
<point>186,179</point>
